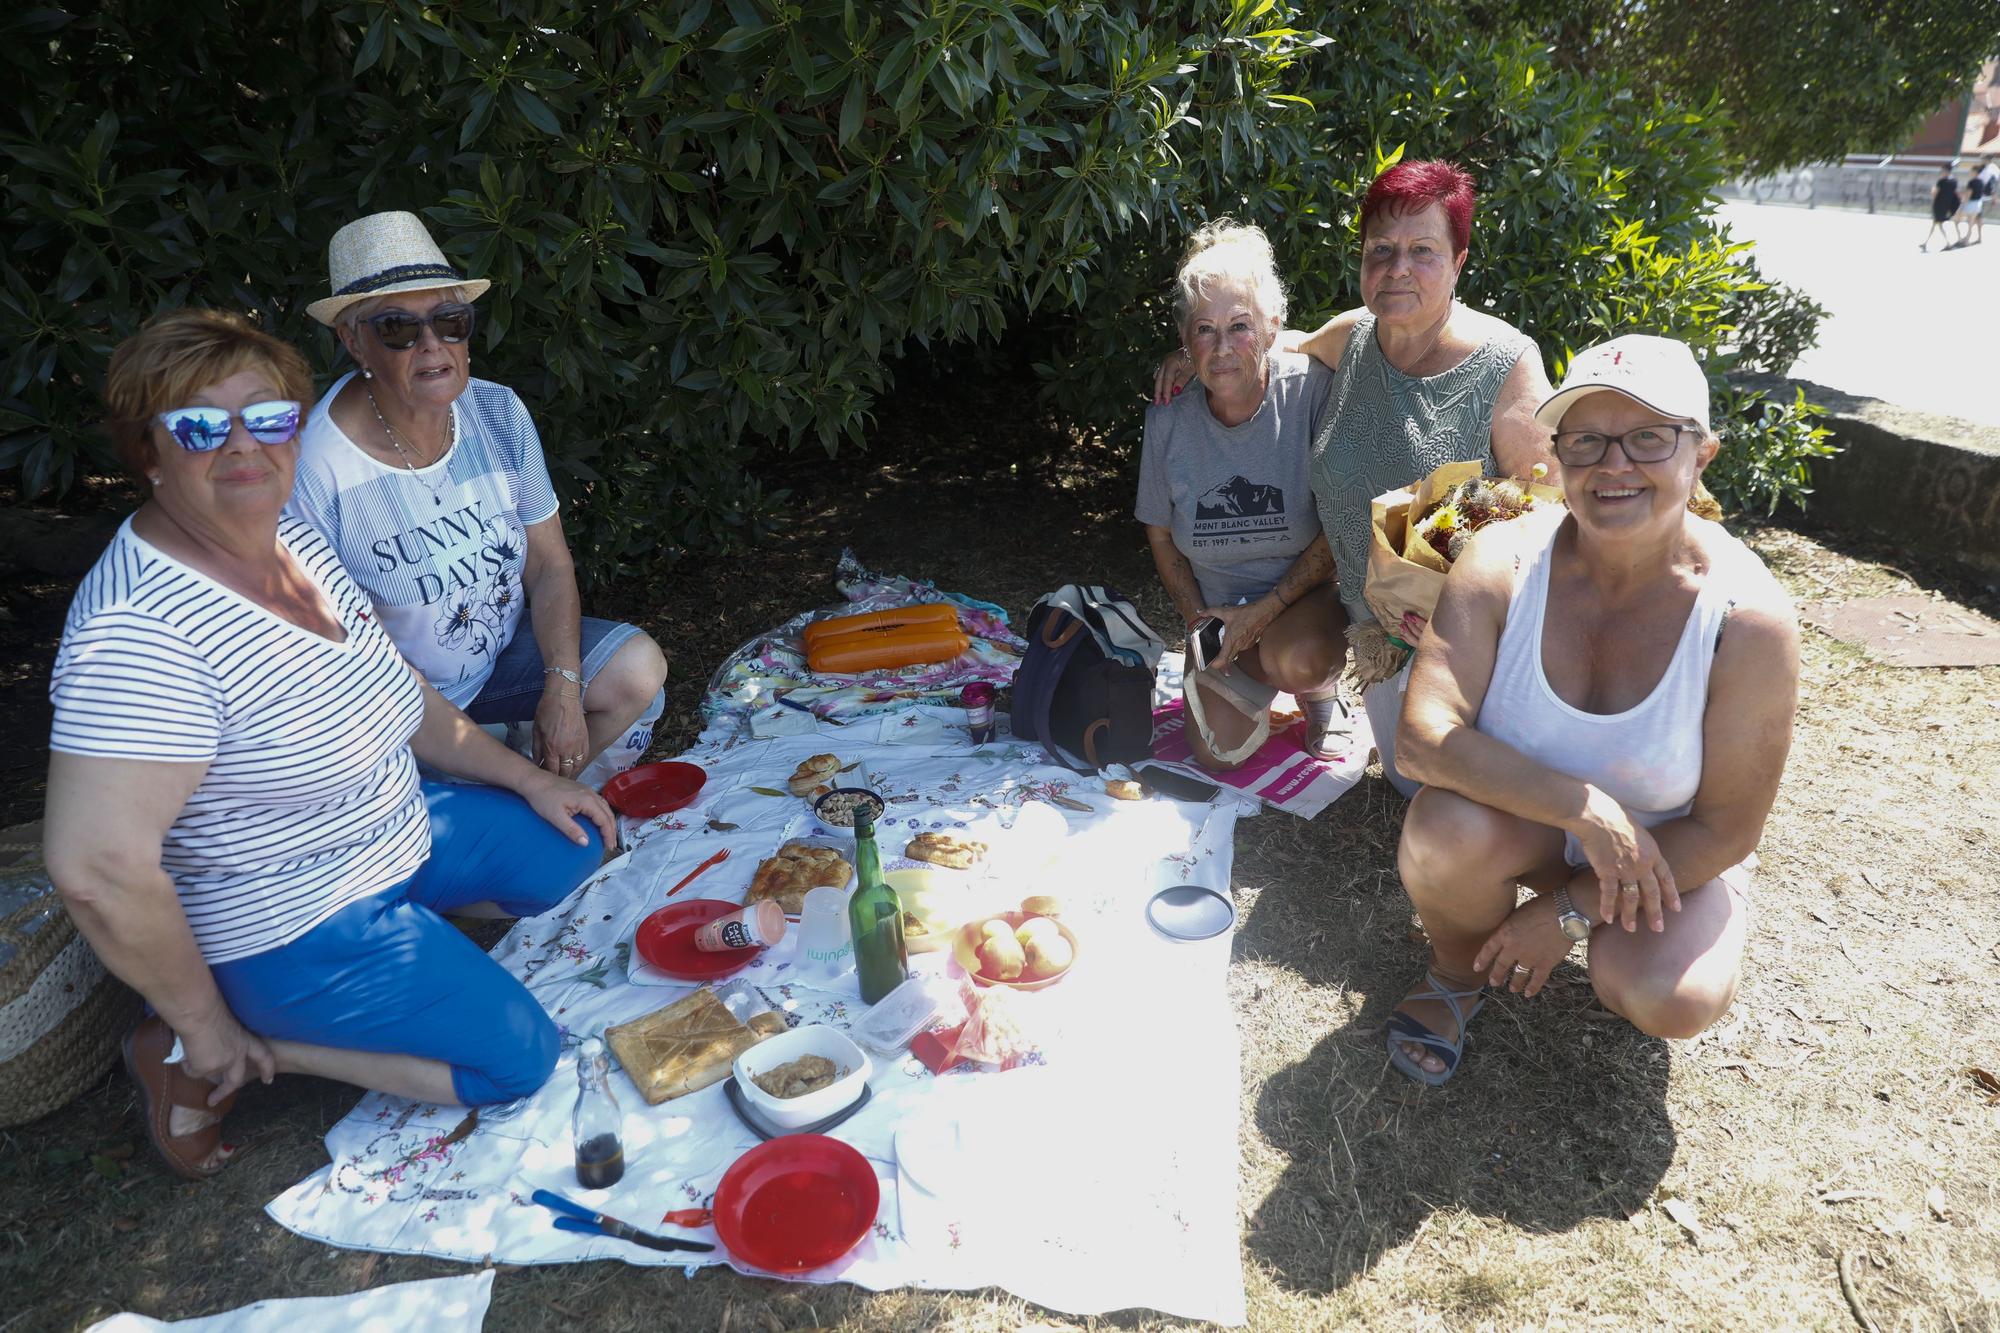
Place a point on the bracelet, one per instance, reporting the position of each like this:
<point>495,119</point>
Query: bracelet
<point>568,675</point>
<point>1281,599</point>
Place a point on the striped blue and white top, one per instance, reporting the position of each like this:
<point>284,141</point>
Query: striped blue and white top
<point>310,798</point>
<point>441,550</point>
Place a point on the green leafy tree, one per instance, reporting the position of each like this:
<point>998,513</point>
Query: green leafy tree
<point>1801,80</point>
<point>714,227</point>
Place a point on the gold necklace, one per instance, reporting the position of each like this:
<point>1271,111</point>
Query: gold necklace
<point>408,455</point>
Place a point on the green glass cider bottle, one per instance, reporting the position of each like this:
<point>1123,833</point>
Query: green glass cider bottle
<point>875,915</point>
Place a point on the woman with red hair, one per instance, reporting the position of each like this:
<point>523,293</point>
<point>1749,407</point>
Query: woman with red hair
<point>1420,380</point>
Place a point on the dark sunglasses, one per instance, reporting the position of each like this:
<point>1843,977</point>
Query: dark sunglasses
<point>1648,444</point>
<point>201,430</point>
<point>399,329</point>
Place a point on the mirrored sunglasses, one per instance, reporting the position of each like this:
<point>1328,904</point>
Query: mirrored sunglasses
<point>201,430</point>
<point>399,329</point>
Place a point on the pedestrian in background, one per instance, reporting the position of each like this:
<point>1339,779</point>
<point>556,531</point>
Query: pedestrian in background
<point>1969,209</point>
<point>1944,204</point>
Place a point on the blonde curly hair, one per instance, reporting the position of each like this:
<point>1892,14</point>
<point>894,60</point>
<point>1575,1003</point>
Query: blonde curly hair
<point>1226,253</point>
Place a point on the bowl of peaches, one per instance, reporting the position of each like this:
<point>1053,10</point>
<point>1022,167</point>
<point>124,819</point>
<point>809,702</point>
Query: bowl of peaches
<point>1024,950</point>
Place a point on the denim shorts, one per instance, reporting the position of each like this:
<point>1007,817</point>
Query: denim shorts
<point>514,690</point>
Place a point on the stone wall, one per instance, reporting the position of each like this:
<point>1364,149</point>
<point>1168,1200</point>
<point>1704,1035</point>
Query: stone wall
<point>1929,483</point>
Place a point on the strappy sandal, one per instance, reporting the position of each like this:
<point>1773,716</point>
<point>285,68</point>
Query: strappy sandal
<point>162,1087</point>
<point>1402,1028</point>
<point>1340,728</point>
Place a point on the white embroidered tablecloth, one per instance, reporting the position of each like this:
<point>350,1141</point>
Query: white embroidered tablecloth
<point>1101,1177</point>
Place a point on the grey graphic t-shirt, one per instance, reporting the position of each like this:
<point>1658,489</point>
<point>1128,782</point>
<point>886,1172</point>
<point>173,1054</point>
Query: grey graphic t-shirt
<point>440,551</point>
<point>1238,498</point>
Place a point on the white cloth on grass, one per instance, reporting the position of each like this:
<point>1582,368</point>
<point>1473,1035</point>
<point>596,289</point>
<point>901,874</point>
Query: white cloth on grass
<point>436,1305</point>
<point>1147,1216</point>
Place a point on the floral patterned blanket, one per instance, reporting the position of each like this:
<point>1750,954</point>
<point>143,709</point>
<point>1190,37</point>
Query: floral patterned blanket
<point>775,663</point>
<point>1097,1174</point>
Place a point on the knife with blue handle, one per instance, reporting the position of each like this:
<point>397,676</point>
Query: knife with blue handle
<point>576,1217</point>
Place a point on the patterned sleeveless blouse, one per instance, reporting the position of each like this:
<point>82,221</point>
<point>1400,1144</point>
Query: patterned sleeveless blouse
<point>1382,429</point>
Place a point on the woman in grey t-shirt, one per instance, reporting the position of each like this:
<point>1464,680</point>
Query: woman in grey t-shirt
<point>1420,380</point>
<point>1227,501</point>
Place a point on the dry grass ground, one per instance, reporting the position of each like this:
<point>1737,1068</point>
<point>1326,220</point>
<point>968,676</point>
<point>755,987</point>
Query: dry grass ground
<point>1574,1175</point>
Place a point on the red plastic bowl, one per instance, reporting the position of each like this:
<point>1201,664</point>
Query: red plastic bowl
<point>666,940</point>
<point>646,790</point>
<point>797,1202</point>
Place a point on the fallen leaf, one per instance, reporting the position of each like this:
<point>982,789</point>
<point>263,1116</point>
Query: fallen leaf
<point>851,767</point>
<point>1849,1196</point>
<point>1988,1082</point>
<point>1820,917</point>
<point>1934,1200</point>
<point>767,791</point>
<point>1684,1216</point>
<point>721,826</point>
<point>1870,873</point>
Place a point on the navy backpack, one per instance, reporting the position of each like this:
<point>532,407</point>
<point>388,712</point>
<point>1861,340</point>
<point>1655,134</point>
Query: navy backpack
<point>1084,691</point>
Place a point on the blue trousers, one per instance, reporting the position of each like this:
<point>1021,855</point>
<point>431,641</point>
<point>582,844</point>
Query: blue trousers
<point>388,973</point>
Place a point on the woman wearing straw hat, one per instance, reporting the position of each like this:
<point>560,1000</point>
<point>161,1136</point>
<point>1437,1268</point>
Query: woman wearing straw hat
<point>432,487</point>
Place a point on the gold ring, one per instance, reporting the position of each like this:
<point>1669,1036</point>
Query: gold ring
<point>1628,888</point>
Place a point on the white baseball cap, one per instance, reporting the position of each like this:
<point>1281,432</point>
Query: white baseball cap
<point>1660,373</point>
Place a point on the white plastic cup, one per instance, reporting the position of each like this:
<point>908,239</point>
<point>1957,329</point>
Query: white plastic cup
<point>826,948</point>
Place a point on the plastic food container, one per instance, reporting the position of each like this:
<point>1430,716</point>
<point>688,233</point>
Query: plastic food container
<point>797,1112</point>
<point>899,1016</point>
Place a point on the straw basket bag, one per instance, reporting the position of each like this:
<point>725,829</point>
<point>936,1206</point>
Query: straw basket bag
<point>61,1014</point>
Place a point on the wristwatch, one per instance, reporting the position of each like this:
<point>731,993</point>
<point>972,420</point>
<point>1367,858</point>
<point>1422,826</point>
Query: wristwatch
<point>1574,925</point>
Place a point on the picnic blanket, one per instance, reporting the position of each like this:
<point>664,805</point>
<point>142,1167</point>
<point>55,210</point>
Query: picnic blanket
<point>1105,1169</point>
<point>436,1305</point>
<point>775,662</point>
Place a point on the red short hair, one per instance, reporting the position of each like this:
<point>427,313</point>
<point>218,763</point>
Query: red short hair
<point>178,352</point>
<point>1411,187</point>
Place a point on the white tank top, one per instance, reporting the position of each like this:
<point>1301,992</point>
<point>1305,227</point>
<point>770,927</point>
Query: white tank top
<point>1648,757</point>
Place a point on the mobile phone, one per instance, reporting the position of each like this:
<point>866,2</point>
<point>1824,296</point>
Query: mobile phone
<point>1205,641</point>
<point>1177,785</point>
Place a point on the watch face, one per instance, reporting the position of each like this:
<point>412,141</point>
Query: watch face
<point>1575,925</point>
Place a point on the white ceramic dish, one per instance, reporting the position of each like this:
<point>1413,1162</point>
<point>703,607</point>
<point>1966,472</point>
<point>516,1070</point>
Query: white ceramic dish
<point>816,1039</point>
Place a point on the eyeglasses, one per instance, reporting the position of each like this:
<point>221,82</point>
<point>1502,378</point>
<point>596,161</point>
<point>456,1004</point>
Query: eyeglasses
<point>1647,444</point>
<point>399,329</point>
<point>201,430</point>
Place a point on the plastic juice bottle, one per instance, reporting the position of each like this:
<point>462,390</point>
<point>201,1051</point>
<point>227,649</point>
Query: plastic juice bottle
<point>875,915</point>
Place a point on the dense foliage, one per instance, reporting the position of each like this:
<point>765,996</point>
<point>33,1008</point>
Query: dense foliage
<point>1803,80</point>
<point>715,225</point>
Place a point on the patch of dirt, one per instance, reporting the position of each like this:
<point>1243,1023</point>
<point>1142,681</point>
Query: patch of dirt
<point>1821,1121</point>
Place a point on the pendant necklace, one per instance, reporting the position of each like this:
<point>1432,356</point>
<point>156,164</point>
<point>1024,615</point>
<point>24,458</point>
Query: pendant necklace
<point>408,454</point>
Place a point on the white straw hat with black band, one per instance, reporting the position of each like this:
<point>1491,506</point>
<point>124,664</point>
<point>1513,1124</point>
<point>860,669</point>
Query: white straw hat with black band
<point>382,254</point>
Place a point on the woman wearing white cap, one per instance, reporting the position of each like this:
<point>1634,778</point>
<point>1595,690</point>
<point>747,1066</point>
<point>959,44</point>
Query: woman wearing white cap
<point>432,488</point>
<point>1601,710</point>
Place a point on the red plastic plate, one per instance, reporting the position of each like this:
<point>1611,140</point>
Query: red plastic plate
<point>797,1202</point>
<point>666,940</point>
<point>645,790</point>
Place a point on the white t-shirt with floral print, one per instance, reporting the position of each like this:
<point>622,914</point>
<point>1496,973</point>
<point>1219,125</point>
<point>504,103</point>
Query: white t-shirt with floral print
<point>441,550</point>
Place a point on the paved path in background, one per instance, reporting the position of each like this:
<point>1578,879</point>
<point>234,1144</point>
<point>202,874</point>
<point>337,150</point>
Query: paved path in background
<point>1918,330</point>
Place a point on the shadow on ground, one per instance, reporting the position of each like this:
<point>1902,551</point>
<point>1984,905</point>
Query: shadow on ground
<point>1369,1157</point>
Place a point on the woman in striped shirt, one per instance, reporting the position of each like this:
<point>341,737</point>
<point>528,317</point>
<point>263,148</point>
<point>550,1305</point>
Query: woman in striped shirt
<point>272,874</point>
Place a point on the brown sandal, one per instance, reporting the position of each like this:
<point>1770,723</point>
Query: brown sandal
<point>162,1087</point>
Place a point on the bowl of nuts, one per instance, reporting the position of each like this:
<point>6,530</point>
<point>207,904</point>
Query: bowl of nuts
<point>837,808</point>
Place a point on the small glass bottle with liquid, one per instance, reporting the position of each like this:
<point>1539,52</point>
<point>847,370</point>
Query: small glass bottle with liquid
<point>597,1123</point>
